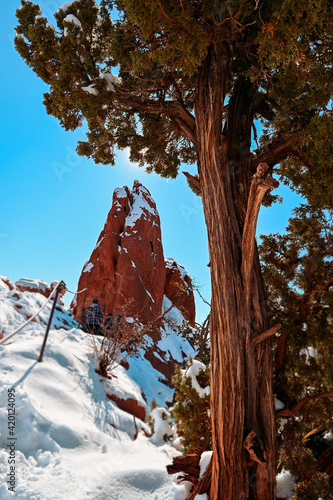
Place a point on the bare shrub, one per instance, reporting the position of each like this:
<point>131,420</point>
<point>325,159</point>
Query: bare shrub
<point>122,337</point>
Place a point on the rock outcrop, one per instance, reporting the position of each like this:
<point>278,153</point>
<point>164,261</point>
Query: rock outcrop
<point>178,288</point>
<point>126,271</point>
<point>128,275</point>
<point>35,286</point>
<point>129,405</point>
<point>25,297</point>
<point>38,286</point>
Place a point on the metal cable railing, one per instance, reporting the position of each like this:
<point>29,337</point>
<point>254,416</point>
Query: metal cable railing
<point>10,335</point>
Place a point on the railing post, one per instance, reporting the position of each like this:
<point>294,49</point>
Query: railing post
<point>82,309</point>
<point>61,286</point>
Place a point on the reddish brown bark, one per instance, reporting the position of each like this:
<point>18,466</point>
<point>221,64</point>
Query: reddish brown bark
<point>189,466</point>
<point>243,417</point>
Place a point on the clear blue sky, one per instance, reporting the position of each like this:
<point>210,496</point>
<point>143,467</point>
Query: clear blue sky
<point>54,203</point>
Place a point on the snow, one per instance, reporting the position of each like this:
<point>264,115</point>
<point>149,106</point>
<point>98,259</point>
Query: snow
<point>72,19</point>
<point>173,345</point>
<point>192,372</point>
<point>278,404</point>
<point>184,490</point>
<point>110,80</point>
<point>125,387</point>
<point>33,284</point>
<point>70,440</point>
<point>309,352</point>
<point>205,458</point>
<point>149,294</point>
<point>99,242</point>
<point>65,6</point>
<point>90,89</point>
<point>329,436</point>
<point>151,381</point>
<point>16,307</point>
<point>163,431</point>
<point>170,263</point>
<point>174,314</point>
<point>142,207</point>
<point>285,484</point>
<point>88,267</point>
<point>120,192</point>
<point>201,497</point>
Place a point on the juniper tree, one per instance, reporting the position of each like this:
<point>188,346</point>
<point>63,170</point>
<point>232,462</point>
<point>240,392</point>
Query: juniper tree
<point>298,272</point>
<point>194,78</point>
<point>191,409</point>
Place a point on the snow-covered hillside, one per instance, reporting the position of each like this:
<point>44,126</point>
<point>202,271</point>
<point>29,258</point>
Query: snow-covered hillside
<point>61,437</point>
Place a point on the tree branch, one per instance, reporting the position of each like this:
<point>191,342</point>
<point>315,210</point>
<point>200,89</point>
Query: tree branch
<point>303,157</point>
<point>193,178</point>
<point>294,411</point>
<point>276,151</point>
<point>280,352</point>
<point>259,187</point>
<point>177,112</point>
<point>171,21</point>
<point>265,335</point>
<point>265,107</point>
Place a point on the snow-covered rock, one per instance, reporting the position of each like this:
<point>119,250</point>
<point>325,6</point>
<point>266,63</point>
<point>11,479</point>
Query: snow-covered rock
<point>128,275</point>
<point>179,290</point>
<point>131,235</point>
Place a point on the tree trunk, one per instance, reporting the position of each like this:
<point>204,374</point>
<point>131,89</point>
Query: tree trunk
<point>243,419</point>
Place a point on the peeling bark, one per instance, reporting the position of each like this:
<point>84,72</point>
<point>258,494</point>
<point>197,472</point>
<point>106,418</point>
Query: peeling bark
<point>241,376</point>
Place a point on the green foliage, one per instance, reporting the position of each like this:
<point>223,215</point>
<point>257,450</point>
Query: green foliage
<point>298,273</point>
<point>191,412</point>
<point>313,183</point>
<point>158,48</point>
<point>299,277</point>
<point>297,457</point>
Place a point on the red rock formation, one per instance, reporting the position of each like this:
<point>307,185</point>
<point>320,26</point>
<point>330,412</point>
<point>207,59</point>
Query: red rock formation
<point>38,286</point>
<point>156,358</point>
<point>178,288</point>
<point>126,271</point>
<point>34,286</point>
<point>129,405</point>
<point>7,282</point>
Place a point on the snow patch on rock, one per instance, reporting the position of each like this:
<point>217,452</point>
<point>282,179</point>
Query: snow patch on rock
<point>88,267</point>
